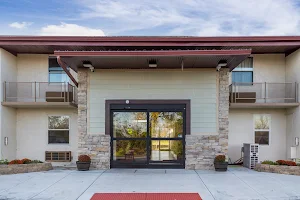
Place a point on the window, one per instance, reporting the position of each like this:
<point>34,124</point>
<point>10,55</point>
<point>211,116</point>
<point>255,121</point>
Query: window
<point>56,73</point>
<point>262,129</point>
<point>58,129</point>
<point>244,72</point>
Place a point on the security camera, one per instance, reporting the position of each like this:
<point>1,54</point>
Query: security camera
<point>92,69</point>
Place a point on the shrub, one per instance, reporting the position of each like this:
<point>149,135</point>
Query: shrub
<point>36,161</point>
<point>286,162</point>
<point>84,158</point>
<point>220,158</point>
<point>14,162</point>
<point>26,161</point>
<point>4,162</point>
<point>269,162</point>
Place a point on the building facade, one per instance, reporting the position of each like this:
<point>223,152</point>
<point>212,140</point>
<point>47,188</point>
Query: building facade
<point>156,102</point>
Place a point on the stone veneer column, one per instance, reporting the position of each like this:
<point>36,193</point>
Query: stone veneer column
<point>223,109</point>
<point>97,146</point>
<point>202,149</point>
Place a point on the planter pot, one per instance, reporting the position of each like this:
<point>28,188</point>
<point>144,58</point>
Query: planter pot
<point>83,166</point>
<point>221,166</point>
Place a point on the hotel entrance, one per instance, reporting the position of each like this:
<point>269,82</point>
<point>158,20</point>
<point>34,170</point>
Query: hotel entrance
<point>149,136</point>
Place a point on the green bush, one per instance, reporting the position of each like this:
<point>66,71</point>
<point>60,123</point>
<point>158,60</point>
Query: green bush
<point>36,161</point>
<point>177,147</point>
<point>269,162</point>
<point>4,162</point>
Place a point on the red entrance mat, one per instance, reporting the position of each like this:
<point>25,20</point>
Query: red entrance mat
<point>146,196</point>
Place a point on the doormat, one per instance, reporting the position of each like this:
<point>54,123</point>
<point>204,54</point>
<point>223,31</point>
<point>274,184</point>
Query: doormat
<point>146,196</point>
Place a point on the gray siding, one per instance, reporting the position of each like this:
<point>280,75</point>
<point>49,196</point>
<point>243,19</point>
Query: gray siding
<point>200,86</point>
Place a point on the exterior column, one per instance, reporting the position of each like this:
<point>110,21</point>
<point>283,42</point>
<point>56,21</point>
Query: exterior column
<point>82,110</point>
<point>97,146</point>
<point>200,150</point>
<point>223,109</point>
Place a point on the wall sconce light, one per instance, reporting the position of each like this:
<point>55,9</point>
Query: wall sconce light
<point>297,141</point>
<point>152,63</point>
<point>222,63</point>
<point>88,64</point>
<point>5,141</point>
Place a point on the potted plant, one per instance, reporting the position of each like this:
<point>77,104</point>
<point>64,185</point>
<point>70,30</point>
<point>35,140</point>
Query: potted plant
<point>220,163</point>
<point>83,163</point>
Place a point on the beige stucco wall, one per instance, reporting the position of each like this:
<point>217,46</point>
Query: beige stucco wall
<point>269,68</point>
<point>32,67</point>
<point>26,129</point>
<point>32,133</point>
<point>293,75</point>
<point>241,130</point>
<point>8,72</point>
<point>198,85</point>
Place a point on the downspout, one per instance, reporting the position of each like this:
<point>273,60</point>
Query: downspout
<point>64,66</point>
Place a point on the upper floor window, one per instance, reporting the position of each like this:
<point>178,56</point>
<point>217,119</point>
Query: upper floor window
<point>56,73</point>
<point>244,72</point>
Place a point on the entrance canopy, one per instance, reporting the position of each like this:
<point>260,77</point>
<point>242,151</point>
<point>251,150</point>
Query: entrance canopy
<point>163,59</point>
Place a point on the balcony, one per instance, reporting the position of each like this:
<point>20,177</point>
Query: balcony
<point>39,95</point>
<point>263,95</point>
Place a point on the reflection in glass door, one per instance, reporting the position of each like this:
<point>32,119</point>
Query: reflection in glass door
<point>166,135</point>
<point>142,138</point>
<point>130,138</point>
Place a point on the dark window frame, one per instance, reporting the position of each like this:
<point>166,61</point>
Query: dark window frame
<point>108,104</point>
<point>260,130</point>
<point>55,68</point>
<point>240,70</point>
<point>265,131</point>
<point>59,130</point>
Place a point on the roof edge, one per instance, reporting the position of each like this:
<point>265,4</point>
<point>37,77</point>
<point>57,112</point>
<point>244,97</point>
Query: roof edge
<point>150,38</point>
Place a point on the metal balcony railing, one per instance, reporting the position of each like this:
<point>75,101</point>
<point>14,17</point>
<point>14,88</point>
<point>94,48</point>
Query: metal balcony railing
<point>39,92</point>
<point>263,93</point>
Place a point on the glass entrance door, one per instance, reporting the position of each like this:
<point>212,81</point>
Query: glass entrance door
<point>129,139</point>
<point>147,138</point>
<point>166,137</point>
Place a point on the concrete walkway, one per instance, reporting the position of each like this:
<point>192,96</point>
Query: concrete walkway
<point>237,183</point>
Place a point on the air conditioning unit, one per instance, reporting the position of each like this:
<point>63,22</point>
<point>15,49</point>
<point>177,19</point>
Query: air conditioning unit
<point>251,155</point>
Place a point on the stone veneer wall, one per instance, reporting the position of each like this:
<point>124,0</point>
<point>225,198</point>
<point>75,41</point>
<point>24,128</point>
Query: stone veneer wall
<point>25,168</point>
<point>201,149</point>
<point>280,169</point>
<point>95,145</point>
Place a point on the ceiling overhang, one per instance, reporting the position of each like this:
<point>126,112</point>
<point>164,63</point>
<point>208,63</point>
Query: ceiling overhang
<point>48,44</point>
<point>166,59</point>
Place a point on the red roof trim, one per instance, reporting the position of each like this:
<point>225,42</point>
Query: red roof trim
<point>150,39</point>
<point>154,53</point>
<point>152,44</point>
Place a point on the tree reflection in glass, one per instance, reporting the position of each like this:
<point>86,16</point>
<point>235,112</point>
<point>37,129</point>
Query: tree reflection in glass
<point>166,124</point>
<point>130,124</point>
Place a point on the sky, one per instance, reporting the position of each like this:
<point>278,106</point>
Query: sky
<point>150,17</point>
